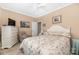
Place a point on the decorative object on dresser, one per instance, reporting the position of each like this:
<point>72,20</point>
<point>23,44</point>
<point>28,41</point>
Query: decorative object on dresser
<point>75,46</point>
<point>11,22</point>
<point>9,36</point>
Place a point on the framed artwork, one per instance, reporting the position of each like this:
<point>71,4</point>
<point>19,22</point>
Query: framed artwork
<point>57,19</point>
<point>44,25</point>
<point>25,24</point>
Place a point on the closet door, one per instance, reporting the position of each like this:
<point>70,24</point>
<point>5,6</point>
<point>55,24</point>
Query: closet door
<point>34,28</point>
<point>39,28</point>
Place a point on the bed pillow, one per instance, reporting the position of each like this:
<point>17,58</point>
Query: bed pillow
<point>58,34</point>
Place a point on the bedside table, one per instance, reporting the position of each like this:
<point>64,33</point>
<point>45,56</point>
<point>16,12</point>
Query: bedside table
<point>23,35</point>
<point>75,46</point>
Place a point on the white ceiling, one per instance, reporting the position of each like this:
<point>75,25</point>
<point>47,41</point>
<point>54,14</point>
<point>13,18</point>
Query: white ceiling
<point>33,9</point>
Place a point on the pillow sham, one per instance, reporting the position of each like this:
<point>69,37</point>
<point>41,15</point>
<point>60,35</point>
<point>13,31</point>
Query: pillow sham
<point>58,34</point>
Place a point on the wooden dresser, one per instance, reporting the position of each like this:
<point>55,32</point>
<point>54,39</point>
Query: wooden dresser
<point>8,36</point>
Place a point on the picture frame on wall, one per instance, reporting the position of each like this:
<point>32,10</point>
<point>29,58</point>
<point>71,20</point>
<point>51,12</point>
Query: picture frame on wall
<point>57,19</point>
<point>25,24</point>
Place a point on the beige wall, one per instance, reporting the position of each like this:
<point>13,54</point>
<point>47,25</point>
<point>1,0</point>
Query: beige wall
<point>0,16</point>
<point>70,17</point>
<point>5,14</point>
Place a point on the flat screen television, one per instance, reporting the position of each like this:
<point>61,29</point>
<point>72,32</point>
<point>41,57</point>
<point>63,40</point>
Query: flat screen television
<point>11,22</point>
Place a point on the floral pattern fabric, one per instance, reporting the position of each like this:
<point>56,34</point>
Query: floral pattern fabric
<point>46,45</point>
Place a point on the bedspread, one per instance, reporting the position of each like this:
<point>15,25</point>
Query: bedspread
<point>46,45</point>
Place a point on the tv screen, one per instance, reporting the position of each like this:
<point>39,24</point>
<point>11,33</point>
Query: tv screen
<point>11,22</point>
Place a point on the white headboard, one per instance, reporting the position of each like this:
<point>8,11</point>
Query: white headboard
<point>58,28</point>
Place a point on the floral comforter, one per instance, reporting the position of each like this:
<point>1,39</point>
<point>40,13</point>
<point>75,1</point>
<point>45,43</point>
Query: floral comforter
<point>46,45</point>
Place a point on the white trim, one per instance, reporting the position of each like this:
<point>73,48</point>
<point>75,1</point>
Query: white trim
<point>36,15</point>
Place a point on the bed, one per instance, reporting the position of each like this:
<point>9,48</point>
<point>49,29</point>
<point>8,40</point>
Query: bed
<point>56,41</point>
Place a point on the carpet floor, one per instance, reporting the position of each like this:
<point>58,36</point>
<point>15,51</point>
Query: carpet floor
<point>11,51</point>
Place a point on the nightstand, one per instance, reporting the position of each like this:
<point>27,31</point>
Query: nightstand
<point>23,35</point>
<point>75,46</point>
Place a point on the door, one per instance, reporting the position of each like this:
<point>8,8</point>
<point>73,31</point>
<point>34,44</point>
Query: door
<point>34,28</point>
<point>39,28</point>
